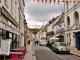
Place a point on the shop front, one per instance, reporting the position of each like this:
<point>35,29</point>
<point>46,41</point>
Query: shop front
<point>77,36</point>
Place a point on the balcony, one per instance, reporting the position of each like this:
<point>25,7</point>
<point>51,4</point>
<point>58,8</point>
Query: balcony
<point>60,31</point>
<point>50,33</point>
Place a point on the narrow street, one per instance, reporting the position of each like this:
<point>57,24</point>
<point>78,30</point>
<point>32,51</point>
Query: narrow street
<point>43,53</point>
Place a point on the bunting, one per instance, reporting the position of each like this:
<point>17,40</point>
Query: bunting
<point>54,1</point>
<point>74,1</point>
<point>67,1</point>
<point>45,1</point>
<point>42,1</point>
<point>62,0</point>
<point>37,0</point>
<point>50,1</point>
<point>70,1</point>
<point>58,1</point>
<point>78,0</point>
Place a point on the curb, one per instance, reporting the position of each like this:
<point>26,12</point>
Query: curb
<point>70,53</point>
<point>75,54</point>
<point>33,55</point>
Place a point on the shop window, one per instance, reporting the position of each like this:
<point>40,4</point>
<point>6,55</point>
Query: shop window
<point>14,40</point>
<point>10,37</point>
<point>0,36</point>
<point>17,40</point>
<point>4,34</point>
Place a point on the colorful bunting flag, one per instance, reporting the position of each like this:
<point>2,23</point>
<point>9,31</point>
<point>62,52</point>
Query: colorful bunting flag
<point>45,1</point>
<point>70,1</point>
<point>50,1</point>
<point>58,1</point>
<point>54,1</point>
<point>78,0</point>
<point>67,1</point>
<point>42,1</point>
<point>74,1</point>
<point>62,0</point>
<point>37,0</point>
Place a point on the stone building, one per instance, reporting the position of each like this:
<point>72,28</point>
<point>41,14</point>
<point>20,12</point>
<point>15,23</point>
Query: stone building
<point>12,21</point>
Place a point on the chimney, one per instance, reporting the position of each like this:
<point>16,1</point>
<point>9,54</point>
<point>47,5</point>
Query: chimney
<point>50,22</point>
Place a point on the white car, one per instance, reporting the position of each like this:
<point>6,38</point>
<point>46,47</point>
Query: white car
<point>43,42</point>
<point>60,47</point>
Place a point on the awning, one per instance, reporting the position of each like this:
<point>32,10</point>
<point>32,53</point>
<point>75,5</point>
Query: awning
<point>58,35</point>
<point>54,38</point>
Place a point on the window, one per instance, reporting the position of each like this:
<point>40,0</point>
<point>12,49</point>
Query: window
<point>18,13</point>
<point>67,6</point>
<point>11,5</point>
<point>0,0</point>
<point>14,40</point>
<point>15,8</point>
<point>0,36</point>
<point>6,1</point>
<point>4,34</point>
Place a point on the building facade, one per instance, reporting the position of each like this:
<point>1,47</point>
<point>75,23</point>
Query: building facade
<point>11,16</point>
<point>72,25</point>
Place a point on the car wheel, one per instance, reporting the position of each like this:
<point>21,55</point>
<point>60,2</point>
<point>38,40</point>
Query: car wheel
<point>57,51</point>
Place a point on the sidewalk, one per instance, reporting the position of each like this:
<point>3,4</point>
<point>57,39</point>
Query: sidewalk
<point>74,51</point>
<point>30,54</point>
<point>27,55</point>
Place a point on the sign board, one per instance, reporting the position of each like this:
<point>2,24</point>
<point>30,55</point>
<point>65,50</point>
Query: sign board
<point>5,47</point>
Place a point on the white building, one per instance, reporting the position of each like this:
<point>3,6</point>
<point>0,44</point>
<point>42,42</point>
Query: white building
<point>71,19</point>
<point>58,27</point>
<point>11,21</point>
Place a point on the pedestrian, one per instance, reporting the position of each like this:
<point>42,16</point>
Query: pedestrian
<point>28,41</point>
<point>37,42</point>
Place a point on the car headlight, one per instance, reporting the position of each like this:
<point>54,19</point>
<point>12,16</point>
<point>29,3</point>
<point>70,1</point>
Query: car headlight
<point>61,49</point>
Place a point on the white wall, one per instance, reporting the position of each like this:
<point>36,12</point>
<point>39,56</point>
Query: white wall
<point>70,13</point>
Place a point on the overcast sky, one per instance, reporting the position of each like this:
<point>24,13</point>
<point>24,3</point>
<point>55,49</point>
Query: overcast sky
<point>37,13</point>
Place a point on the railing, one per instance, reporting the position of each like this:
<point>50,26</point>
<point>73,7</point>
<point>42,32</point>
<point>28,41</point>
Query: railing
<point>61,31</point>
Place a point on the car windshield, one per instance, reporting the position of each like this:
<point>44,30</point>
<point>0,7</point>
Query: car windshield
<point>61,44</point>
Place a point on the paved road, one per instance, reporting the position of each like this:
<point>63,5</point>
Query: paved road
<point>43,53</point>
<point>69,57</point>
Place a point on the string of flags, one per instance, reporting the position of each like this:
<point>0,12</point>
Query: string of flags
<point>36,25</point>
<point>54,1</point>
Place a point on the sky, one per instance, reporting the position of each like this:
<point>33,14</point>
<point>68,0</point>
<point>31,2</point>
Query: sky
<point>38,13</point>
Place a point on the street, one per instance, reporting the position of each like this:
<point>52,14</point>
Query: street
<point>44,53</point>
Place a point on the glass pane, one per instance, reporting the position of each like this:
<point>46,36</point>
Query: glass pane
<point>0,36</point>
<point>4,34</point>
<point>10,37</point>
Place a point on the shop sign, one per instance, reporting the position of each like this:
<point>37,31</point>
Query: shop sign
<point>5,47</point>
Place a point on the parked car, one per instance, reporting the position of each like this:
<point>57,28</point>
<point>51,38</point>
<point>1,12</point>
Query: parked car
<point>42,42</point>
<point>60,47</point>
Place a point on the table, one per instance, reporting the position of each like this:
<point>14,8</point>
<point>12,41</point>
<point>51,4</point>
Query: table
<point>20,53</point>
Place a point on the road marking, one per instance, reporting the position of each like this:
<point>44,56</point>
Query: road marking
<point>53,53</point>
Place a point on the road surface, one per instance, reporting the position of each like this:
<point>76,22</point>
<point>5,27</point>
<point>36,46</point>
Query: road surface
<point>44,53</point>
